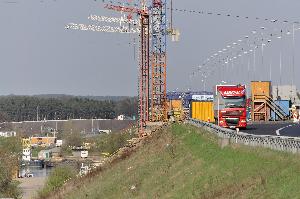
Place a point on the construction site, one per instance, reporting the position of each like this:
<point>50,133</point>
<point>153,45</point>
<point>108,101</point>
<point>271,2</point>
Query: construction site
<point>227,103</point>
<point>228,127</point>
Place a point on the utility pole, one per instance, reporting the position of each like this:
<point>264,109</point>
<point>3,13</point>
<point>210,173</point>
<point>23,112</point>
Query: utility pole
<point>293,66</point>
<point>37,113</point>
<point>92,125</point>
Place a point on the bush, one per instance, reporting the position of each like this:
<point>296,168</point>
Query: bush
<point>56,179</point>
<point>66,151</point>
<point>112,142</point>
<point>10,190</point>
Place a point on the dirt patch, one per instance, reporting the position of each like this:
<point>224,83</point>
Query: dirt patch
<point>236,190</point>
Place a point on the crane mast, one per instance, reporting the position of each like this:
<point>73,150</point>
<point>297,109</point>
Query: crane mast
<point>152,89</point>
<point>144,74</point>
<point>159,61</point>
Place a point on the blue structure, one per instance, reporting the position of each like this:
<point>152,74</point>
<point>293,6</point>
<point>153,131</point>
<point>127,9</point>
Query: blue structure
<point>187,97</point>
<point>284,105</point>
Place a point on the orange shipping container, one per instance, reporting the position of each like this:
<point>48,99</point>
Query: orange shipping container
<point>203,111</point>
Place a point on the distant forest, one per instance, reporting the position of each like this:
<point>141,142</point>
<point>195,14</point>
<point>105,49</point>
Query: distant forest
<point>62,107</point>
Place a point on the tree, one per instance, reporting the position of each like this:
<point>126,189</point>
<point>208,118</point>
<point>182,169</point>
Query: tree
<point>10,151</point>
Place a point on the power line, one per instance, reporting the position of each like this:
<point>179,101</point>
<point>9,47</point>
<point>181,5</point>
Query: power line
<point>235,16</point>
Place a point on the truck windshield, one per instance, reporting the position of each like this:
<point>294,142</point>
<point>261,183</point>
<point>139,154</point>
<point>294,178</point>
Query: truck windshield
<point>235,102</point>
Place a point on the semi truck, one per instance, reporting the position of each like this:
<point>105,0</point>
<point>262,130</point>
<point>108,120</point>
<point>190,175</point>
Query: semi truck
<point>230,106</point>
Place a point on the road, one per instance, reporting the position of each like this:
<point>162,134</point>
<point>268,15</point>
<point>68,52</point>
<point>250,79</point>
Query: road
<point>30,186</point>
<point>281,128</point>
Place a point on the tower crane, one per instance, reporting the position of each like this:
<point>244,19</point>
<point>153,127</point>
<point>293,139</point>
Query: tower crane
<point>153,57</point>
<point>152,88</point>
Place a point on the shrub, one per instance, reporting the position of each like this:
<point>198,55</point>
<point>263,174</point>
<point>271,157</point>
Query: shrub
<point>56,179</point>
<point>112,142</point>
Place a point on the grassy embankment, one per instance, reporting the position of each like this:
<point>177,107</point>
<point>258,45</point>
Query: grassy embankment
<point>185,162</point>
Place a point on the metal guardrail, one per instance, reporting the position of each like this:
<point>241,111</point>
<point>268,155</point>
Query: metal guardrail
<point>279,143</point>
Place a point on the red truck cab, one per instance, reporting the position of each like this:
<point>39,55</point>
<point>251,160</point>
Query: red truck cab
<point>230,106</point>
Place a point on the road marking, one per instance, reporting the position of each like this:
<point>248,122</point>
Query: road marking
<point>278,130</point>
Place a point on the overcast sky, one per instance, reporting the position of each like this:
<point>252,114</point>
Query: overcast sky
<point>39,56</point>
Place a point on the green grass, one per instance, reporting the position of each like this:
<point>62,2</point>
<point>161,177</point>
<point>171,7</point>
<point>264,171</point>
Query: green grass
<point>186,162</point>
<point>35,151</point>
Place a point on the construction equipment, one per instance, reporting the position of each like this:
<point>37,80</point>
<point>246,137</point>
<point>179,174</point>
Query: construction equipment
<point>157,51</point>
<point>263,104</point>
<point>176,110</point>
<point>159,61</point>
<point>152,88</point>
<point>26,143</point>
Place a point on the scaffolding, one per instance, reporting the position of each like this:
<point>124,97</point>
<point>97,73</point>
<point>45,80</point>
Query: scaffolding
<point>159,61</point>
<point>262,106</point>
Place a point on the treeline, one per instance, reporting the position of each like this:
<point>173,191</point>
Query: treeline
<point>31,108</point>
<point>97,98</point>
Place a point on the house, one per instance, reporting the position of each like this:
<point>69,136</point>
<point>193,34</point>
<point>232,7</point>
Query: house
<point>44,154</point>
<point>42,141</point>
<point>8,134</point>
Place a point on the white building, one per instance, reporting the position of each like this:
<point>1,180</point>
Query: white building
<point>8,134</point>
<point>59,143</point>
<point>121,117</point>
<point>286,92</point>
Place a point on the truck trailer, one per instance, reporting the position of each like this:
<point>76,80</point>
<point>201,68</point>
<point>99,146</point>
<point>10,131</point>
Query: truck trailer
<point>230,106</point>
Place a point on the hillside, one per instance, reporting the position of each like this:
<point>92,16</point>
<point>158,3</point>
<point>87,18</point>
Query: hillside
<point>185,162</point>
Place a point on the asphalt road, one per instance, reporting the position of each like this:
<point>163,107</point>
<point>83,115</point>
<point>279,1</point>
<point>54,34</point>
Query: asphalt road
<point>282,128</point>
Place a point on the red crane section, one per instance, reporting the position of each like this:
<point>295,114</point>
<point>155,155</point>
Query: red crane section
<point>144,63</point>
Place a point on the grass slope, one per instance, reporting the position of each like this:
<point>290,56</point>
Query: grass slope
<point>185,162</point>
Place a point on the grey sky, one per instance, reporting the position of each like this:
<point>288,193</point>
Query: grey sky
<point>37,55</point>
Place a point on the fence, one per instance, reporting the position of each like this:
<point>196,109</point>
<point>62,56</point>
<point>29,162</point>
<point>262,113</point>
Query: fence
<point>279,143</point>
